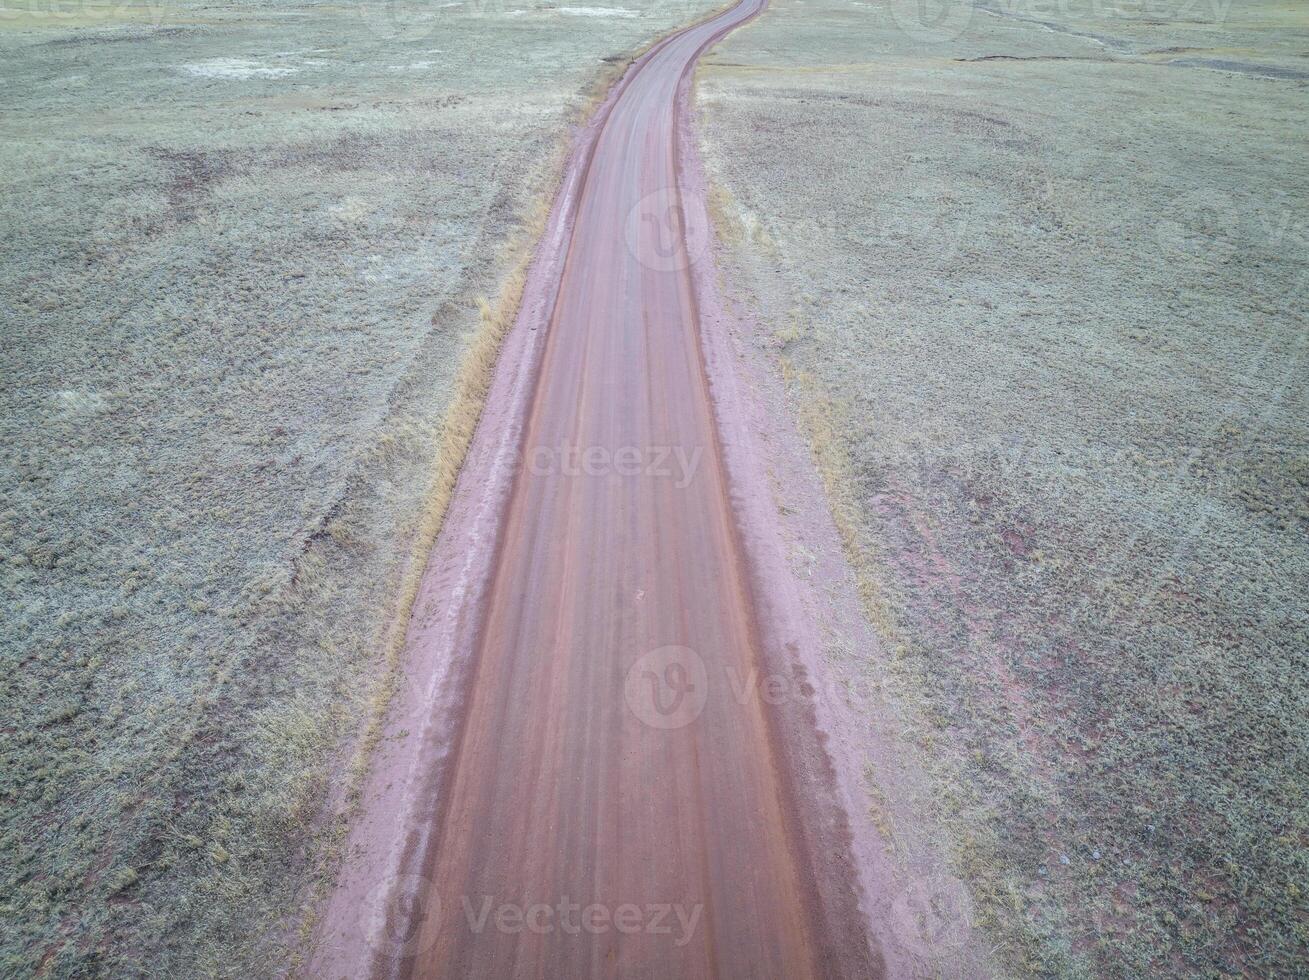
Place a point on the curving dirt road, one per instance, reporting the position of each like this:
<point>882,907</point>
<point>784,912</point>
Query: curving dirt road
<point>615,800</point>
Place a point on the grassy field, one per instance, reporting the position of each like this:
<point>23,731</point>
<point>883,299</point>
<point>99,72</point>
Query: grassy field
<point>1036,275</point>
<point>242,256</point>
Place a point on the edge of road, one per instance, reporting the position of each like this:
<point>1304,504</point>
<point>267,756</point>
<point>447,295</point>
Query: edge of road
<point>890,905</point>
<point>844,749</point>
<point>820,802</point>
<point>353,929</point>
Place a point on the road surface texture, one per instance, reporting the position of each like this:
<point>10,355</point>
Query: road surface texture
<point>595,768</point>
<point>614,799</point>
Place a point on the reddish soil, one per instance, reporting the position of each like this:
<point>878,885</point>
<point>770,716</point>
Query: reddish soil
<point>595,768</point>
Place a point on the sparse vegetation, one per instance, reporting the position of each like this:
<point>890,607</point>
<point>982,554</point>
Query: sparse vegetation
<point>244,253</point>
<point>1041,313</point>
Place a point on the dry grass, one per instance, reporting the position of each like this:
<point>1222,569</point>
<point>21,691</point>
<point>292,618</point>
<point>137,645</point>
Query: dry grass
<point>235,419</point>
<point>471,385</point>
<point>1061,420</point>
<point>822,421</point>
<point>457,427</point>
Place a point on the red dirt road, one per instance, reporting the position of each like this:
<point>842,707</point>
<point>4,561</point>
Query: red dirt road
<point>615,801</point>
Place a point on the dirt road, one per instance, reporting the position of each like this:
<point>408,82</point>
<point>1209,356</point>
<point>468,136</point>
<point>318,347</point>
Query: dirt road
<point>615,800</point>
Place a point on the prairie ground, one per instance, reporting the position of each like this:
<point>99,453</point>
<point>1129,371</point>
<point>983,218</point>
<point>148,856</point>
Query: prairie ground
<point>1035,275</point>
<point>242,248</point>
